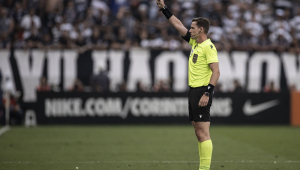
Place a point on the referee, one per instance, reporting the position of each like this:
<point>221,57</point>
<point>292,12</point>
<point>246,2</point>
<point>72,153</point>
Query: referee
<point>203,76</point>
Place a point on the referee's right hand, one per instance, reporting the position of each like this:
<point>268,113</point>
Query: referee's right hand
<point>160,3</point>
<point>203,101</point>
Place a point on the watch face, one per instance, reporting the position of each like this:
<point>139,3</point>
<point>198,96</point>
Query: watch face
<point>206,94</point>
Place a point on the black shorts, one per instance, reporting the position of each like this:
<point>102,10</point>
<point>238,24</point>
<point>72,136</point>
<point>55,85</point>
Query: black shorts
<point>196,113</point>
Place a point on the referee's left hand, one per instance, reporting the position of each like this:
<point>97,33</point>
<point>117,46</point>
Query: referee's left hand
<point>203,101</point>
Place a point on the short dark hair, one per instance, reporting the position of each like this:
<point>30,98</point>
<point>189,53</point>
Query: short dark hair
<point>202,22</point>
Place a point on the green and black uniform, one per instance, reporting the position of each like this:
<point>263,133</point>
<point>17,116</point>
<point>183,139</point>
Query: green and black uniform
<point>199,76</point>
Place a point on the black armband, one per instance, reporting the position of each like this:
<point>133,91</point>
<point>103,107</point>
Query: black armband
<point>187,36</point>
<point>210,88</point>
<point>167,12</point>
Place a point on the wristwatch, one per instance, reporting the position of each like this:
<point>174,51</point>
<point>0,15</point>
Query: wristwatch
<point>164,7</point>
<point>206,94</point>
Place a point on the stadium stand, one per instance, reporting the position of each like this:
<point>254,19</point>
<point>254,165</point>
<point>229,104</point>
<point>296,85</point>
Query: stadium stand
<point>246,25</point>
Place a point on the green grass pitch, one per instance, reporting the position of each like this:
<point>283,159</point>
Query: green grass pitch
<point>148,148</point>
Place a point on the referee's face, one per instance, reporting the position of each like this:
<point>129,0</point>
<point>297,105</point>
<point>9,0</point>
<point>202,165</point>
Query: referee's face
<point>195,30</point>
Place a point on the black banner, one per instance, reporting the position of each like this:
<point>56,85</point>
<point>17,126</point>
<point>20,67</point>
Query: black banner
<point>159,108</point>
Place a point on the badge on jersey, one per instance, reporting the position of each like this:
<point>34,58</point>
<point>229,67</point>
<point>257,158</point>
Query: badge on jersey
<point>191,52</point>
<point>195,58</point>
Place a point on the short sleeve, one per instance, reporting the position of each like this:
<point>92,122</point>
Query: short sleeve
<point>211,54</point>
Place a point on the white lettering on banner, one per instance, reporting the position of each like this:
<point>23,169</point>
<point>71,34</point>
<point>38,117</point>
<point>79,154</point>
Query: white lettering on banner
<point>255,70</point>
<point>30,76</point>
<point>221,107</point>
<point>70,68</point>
<point>159,107</point>
<point>89,107</point>
<point>73,107</point>
<point>139,68</point>
<point>54,58</point>
<point>180,63</point>
<point>231,67</point>
<point>230,71</point>
<point>99,60</point>
<point>292,73</point>
<point>6,70</point>
<point>63,107</point>
<point>116,59</point>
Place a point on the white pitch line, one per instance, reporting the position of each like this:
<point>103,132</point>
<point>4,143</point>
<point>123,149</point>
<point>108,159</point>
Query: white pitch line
<point>4,129</point>
<point>154,162</point>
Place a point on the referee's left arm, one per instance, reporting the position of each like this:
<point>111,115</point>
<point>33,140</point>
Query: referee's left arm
<point>215,73</point>
<point>213,81</point>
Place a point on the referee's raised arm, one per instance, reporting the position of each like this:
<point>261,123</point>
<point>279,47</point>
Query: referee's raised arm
<point>177,24</point>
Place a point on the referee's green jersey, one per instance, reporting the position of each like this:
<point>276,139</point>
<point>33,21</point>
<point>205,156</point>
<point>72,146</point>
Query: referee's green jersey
<point>201,56</point>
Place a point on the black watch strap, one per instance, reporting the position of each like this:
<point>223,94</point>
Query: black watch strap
<point>164,7</point>
<point>207,94</point>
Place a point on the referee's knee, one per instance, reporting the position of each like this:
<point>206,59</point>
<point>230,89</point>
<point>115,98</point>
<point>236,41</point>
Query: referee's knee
<point>202,136</point>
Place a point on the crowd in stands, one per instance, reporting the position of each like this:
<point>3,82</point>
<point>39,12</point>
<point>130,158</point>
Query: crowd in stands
<point>120,24</point>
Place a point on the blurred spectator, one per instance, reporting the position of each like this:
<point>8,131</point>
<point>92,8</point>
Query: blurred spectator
<point>270,88</point>
<point>230,26</point>
<point>18,13</point>
<point>295,46</point>
<point>80,44</point>
<point>46,42</point>
<point>235,9</point>
<point>237,87</point>
<point>100,10</point>
<point>126,19</point>
<point>15,111</point>
<point>28,21</point>
<point>266,10</point>
<point>161,86</point>
<point>64,40</point>
<point>216,34</point>
<point>293,88</point>
<point>254,29</point>
<point>122,41</point>
<point>43,86</point>
<point>264,43</point>
<point>6,28</point>
<point>100,82</point>
<point>8,86</point>
<point>77,86</point>
<point>0,80</point>
<point>253,14</point>
<point>218,87</point>
<point>280,29</point>
<point>280,22</point>
<point>85,29</point>
<point>96,41</point>
<point>32,38</point>
<point>122,87</point>
<point>140,87</point>
<point>81,7</point>
<point>56,32</point>
<point>91,19</point>
<point>65,25</point>
<point>295,24</point>
<point>1,94</point>
<point>70,12</point>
